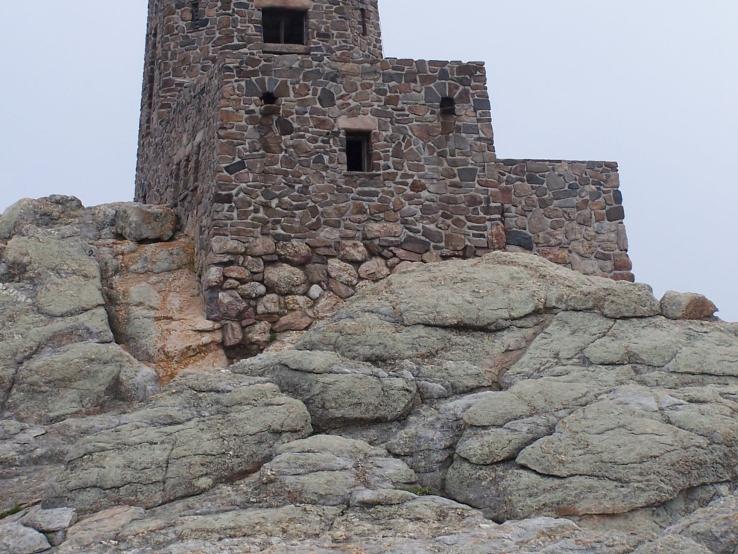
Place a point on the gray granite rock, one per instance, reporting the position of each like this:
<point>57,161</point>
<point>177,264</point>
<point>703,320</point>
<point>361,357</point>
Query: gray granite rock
<point>140,222</point>
<point>336,391</point>
<point>18,539</point>
<point>204,428</point>
<point>678,305</point>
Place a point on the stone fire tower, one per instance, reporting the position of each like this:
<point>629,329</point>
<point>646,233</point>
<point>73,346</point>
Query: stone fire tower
<point>301,160</point>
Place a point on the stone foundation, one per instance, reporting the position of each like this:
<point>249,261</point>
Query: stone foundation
<point>262,287</point>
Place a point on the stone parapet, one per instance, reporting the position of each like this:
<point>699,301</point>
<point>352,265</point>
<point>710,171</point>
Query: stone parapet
<point>570,212</point>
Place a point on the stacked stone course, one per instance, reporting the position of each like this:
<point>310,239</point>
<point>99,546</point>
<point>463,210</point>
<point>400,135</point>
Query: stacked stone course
<point>283,231</point>
<point>568,212</point>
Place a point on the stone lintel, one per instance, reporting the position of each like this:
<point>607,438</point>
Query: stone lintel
<point>365,123</point>
<point>285,4</point>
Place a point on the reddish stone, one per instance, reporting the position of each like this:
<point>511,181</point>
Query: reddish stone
<point>454,242</point>
<point>623,276</point>
<point>623,263</point>
<point>232,333</point>
<point>352,251</point>
<point>294,321</point>
<point>555,255</point>
<point>238,273</point>
<point>341,290</point>
<point>497,237</point>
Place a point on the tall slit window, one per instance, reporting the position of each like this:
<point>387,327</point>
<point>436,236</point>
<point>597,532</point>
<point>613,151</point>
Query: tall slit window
<point>196,172</point>
<point>151,78</point>
<point>284,26</point>
<point>364,30</point>
<point>358,151</point>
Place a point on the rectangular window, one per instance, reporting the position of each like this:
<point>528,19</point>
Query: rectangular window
<point>284,26</point>
<point>358,151</point>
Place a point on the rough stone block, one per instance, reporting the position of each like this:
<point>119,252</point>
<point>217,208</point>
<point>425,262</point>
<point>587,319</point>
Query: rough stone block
<point>139,222</point>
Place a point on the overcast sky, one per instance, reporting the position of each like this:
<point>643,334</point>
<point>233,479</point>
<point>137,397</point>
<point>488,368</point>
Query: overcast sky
<point>652,84</point>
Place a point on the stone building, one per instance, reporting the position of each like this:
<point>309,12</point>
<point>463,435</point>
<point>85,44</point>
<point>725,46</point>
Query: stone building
<point>302,161</point>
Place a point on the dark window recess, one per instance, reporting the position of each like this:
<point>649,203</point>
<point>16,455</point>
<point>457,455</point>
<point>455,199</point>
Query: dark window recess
<point>269,98</point>
<point>284,26</point>
<point>364,30</point>
<point>448,106</point>
<point>358,151</point>
<point>196,172</point>
<point>186,177</point>
<point>177,180</point>
<point>198,22</point>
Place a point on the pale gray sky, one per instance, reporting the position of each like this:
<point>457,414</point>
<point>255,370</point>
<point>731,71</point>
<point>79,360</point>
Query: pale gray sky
<point>652,84</point>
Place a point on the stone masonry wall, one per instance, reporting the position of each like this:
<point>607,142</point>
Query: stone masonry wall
<point>285,232</point>
<point>283,167</point>
<point>178,165</point>
<point>568,212</point>
<point>184,44</point>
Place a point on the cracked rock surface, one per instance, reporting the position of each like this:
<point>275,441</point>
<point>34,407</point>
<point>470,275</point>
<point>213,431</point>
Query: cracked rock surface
<point>501,404</point>
<point>203,429</point>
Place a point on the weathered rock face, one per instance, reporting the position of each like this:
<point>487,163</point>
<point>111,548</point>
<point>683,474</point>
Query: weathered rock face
<point>337,392</point>
<point>155,306</point>
<point>203,429</point>
<point>139,223</point>
<point>67,269</point>
<point>607,408</point>
<point>57,356</point>
<point>675,305</point>
<point>502,404</point>
<point>65,273</point>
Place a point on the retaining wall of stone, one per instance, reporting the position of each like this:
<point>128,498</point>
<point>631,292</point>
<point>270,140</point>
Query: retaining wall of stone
<point>569,212</point>
<point>261,287</point>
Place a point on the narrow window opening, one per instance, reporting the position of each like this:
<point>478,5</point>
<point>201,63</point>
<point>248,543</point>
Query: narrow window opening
<point>187,177</point>
<point>177,185</point>
<point>196,172</point>
<point>269,98</point>
<point>358,151</point>
<point>364,27</point>
<point>151,78</point>
<point>197,16</point>
<point>448,106</point>
<point>284,26</point>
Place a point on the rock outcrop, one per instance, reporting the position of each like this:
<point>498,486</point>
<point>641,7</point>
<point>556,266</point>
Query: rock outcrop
<point>205,428</point>
<point>501,404</point>
<point>336,391</point>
